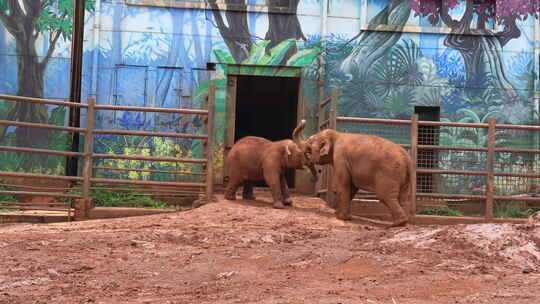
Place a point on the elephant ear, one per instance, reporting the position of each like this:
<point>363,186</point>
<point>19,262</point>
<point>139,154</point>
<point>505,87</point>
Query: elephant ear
<point>325,149</point>
<point>287,150</point>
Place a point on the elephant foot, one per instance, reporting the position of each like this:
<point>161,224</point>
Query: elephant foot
<point>279,205</point>
<point>230,197</point>
<point>248,197</point>
<point>399,223</point>
<point>287,202</point>
<point>343,217</point>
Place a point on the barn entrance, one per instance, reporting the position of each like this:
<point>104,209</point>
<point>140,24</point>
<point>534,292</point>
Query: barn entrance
<point>265,107</point>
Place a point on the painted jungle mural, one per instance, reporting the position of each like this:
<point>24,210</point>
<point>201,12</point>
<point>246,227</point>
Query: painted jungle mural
<point>472,58</point>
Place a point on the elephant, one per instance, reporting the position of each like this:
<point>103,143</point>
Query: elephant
<point>366,162</point>
<point>255,158</point>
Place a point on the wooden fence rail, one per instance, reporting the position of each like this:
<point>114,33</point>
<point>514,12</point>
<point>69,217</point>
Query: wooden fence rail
<point>83,203</point>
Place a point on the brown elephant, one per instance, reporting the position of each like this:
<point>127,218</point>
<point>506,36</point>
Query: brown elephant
<point>256,158</point>
<point>366,162</point>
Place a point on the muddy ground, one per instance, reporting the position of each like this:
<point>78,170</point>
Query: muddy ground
<point>247,252</point>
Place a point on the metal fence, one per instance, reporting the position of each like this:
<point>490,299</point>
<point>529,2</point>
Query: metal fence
<point>80,205</point>
<point>484,166</point>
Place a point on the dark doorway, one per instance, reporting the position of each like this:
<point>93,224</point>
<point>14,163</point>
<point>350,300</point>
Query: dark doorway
<point>267,107</point>
<point>427,135</point>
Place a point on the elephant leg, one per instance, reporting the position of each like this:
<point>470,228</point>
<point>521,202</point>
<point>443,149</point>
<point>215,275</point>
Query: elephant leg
<point>285,191</point>
<point>390,199</point>
<point>247,192</point>
<point>344,193</point>
<point>232,186</point>
<point>273,181</point>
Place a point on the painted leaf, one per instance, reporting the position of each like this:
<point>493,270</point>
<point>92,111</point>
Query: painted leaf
<point>277,53</point>
<point>256,52</point>
<point>223,57</point>
<point>470,114</point>
<point>303,58</point>
<point>58,116</point>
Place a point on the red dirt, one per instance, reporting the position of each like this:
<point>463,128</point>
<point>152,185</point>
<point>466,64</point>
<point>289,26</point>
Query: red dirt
<point>247,252</point>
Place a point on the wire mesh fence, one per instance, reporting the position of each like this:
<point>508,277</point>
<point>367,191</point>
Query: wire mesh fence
<point>479,169</point>
<point>75,196</point>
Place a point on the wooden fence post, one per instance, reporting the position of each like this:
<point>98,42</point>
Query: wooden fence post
<point>210,141</point>
<point>332,124</point>
<point>490,183</point>
<point>414,159</point>
<point>88,153</point>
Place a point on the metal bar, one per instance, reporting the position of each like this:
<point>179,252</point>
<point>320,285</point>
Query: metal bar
<point>41,151</point>
<point>150,158</point>
<point>210,141</point>
<point>42,101</point>
<point>165,67</point>
<point>147,170</point>
<point>324,102</point>
<point>145,109</point>
<point>88,158</point>
<point>457,172</point>
<point>522,175</point>
<point>517,198</point>
<point>35,188</point>
<point>77,38</point>
<point>32,204</point>
<point>147,183</point>
<point>373,120</point>
<point>518,127</point>
<point>44,176</point>
<point>157,191</point>
<point>523,151</point>
<point>462,196</point>
<point>432,147</point>
<point>40,126</point>
<point>59,194</point>
<point>36,208</point>
<point>490,179</point>
<point>148,133</point>
<point>414,160</point>
<point>453,124</point>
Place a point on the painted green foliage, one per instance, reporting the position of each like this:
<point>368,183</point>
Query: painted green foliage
<point>258,57</point>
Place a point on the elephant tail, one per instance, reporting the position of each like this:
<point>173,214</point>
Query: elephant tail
<point>405,197</point>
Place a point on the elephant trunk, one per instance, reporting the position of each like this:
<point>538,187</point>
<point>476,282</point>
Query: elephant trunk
<point>314,176</point>
<point>297,135</point>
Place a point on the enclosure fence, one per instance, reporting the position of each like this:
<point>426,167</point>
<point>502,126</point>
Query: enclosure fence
<point>79,204</point>
<point>480,167</point>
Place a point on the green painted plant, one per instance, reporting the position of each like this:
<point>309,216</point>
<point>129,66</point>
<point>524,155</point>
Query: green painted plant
<point>258,58</point>
<point>443,211</point>
<point>511,211</point>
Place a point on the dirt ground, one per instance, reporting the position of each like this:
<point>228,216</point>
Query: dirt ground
<point>247,252</point>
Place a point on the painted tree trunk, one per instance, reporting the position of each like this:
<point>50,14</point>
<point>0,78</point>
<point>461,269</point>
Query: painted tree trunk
<point>236,33</point>
<point>282,27</point>
<point>30,80</point>
<point>372,45</point>
<point>483,57</point>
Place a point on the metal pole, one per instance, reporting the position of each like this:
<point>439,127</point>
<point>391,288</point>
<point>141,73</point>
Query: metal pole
<point>490,183</point>
<point>210,141</point>
<point>75,81</point>
<point>414,160</point>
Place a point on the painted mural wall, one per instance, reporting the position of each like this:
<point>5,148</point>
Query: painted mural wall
<point>474,59</point>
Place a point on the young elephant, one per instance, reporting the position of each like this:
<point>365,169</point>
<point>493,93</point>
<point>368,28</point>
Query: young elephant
<point>255,158</point>
<point>365,162</point>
